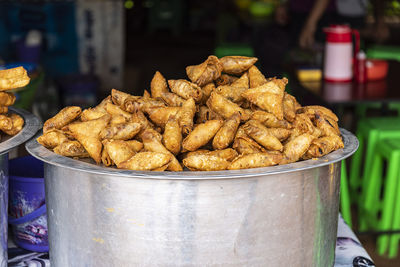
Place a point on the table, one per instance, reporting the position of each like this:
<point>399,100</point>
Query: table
<point>349,252</point>
<point>341,94</point>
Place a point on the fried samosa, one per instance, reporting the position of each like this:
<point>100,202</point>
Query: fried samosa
<point>105,158</point>
<point>325,126</point>
<point>135,145</point>
<point>172,137</point>
<point>205,162</point>
<point>172,99</point>
<point>186,89</point>
<point>62,118</point>
<point>186,115</point>
<point>256,78</point>
<point>117,119</point>
<point>227,154</point>
<point>118,151</point>
<point>262,135</point>
<point>205,72</point>
<point>88,134</point>
<point>3,109</point>
<point>289,107</point>
<point>312,110</point>
<point>268,96</point>
<point>52,138</point>
<point>225,135</point>
<point>6,123</point>
<point>322,146</point>
<point>231,93</point>
<point>201,135</point>
<point>133,104</point>
<point>13,78</point>
<point>206,90</point>
<point>256,160</point>
<point>147,161</point>
<point>96,112</point>
<point>71,149</point>
<point>296,148</point>
<point>242,82</point>
<point>121,131</point>
<point>17,124</point>
<point>152,142</point>
<point>158,85</point>
<point>225,79</point>
<point>243,144</point>
<point>7,99</point>
<point>269,120</point>
<point>205,114</point>
<point>160,115</point>
<point>303,124</point>
<point>237,64</point>
<point>116,110</point>
<point>226,108</point>
<point>119,97</point>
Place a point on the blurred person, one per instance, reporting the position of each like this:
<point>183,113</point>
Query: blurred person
<point>304,19</point>
<point>300,23</point>
<point>379,30</point>
<point>351,12</point>
<point>306,27</point>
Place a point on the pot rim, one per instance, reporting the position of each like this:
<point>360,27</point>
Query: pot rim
<point>49,157</point>
<point>31,125</point>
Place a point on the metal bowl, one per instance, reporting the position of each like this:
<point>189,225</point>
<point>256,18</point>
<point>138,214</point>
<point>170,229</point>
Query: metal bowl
<point>275,216</point>
<point>31,126</point>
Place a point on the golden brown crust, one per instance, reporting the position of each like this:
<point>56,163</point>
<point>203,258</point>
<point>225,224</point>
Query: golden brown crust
<point>244,122</point>
<point>13,78</point>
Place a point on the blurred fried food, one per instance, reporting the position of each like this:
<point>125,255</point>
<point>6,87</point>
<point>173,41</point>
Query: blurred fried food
<point>13,78</point>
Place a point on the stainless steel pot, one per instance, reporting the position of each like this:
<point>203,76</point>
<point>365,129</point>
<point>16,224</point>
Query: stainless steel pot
<point>276,216</point>
<point>31,126</point>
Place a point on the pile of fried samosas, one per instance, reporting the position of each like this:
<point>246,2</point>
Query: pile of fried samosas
<point>11,124</point>
<point>227,116</point>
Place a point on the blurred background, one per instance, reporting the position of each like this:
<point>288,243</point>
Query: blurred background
<point>77,51</point>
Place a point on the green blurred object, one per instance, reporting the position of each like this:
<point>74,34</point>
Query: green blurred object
<point>129,4</point>
<point>261,9</point>
<point>345,203</point>
<point>26,95</point>
<point>384,52</point>
<point>232,49</point>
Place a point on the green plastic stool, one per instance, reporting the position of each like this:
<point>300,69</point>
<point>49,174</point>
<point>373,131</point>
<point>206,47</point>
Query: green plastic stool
<point>361,109</point>
<point>345,205</point>
<point>394,106</point>
<point>378,213</point>
<point>395,238</point>
<point>384,52</point>
<point>369,132</point>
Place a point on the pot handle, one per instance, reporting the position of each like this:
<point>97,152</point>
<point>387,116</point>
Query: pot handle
<point>28,217</point>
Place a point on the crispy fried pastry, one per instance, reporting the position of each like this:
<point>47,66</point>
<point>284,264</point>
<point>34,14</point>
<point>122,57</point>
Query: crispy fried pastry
<point>62,118</point>
<point>201,134</point>
<point>13,78</point>
<point>237,64</point>
<point>186,89</point>
<point>205,72</point>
